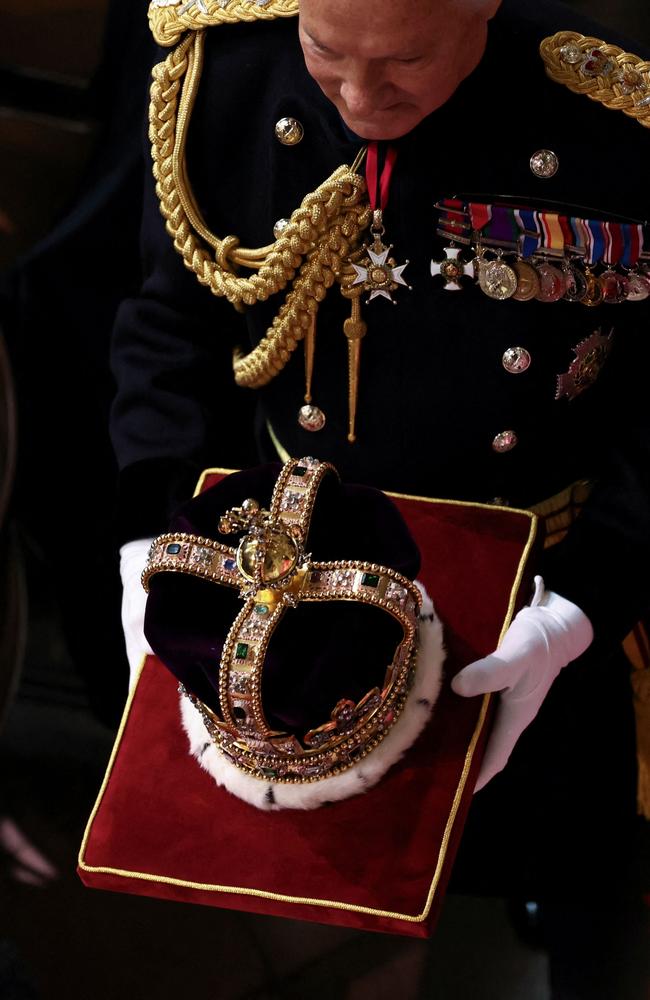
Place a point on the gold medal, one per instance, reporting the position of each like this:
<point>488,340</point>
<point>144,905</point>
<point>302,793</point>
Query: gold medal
<point>638,287</point>
<point>614,287</point>
<point>527,281</point>
<point>576,283</point>
<point>497,279</point>
<point>552,283</point>
<point>594,292</point>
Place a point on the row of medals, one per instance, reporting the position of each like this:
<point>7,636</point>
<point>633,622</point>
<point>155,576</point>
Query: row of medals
<point>544,279</point>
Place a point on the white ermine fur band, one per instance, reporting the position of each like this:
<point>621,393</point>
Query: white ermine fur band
<point>265,794</point>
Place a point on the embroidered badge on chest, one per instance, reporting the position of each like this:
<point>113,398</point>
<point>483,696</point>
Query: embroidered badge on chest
<point>590,356</point>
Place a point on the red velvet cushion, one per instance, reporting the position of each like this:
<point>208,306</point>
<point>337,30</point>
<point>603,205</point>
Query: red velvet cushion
<point>378,861</point>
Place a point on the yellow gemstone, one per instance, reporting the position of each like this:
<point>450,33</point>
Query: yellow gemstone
<point>277,553</point>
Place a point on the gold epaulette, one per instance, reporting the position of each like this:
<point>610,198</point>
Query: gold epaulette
<point>170,19</point>
<point>606,73</point>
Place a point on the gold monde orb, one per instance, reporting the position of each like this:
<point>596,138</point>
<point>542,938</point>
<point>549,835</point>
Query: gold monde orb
<point>277,553</point>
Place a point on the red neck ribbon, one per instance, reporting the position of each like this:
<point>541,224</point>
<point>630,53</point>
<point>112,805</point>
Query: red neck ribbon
<point>379,184</point>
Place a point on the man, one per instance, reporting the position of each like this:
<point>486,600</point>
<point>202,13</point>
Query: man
<point>386,72</point>
<point>483,390</point>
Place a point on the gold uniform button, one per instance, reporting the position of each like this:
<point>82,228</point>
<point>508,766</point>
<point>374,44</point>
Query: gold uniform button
<point>544,163</point>
<point>516,360</point>
<point>311,418</point>
<point>289,131</point>
<point>280,227</point>
<point>505,441</point>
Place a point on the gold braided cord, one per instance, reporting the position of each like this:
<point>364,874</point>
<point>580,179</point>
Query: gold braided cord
<point>297,316</point>
<point>315,245</point>
<point>170,19</point>
<point>607,90</point>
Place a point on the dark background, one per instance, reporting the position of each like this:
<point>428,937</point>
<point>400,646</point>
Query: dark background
<point>73,79</point>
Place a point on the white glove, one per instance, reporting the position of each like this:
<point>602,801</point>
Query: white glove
<point>133,557</point>
<point>541,640</point>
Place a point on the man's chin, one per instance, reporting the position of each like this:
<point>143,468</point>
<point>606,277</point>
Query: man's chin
<point>383,127</point>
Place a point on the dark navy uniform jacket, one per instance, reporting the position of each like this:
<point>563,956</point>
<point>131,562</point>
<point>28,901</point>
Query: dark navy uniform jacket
<point>433,392</point>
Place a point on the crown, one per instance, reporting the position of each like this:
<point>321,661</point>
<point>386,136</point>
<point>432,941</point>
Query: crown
<point>273,573</point>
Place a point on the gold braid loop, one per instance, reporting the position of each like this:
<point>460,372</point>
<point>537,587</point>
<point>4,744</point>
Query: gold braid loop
<point>624,84</point>
<point>321,234</point>
<point>317,275</point>
<point>169,119</point>
<point>228,247</point>
<point>170,19</point>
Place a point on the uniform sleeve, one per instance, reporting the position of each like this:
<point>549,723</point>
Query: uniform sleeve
<point>176,408</point>
<point>603,564</point>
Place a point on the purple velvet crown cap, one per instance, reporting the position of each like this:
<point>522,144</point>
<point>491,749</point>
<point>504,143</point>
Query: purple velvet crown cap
<point>319,652</point>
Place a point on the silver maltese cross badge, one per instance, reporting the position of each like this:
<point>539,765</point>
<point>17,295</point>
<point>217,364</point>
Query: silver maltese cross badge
<point>378,272</point>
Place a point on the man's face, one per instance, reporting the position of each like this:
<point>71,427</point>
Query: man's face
<point>387,64</point>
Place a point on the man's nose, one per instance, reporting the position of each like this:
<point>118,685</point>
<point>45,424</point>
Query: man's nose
<point>360,89</point>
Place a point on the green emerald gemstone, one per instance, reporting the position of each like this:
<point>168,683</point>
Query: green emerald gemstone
<point>173,549</point>
<point>241,652</point>
<point>261,609</point>
<point>369,580</point>
<point>300,470</point>
<point>268,772</point>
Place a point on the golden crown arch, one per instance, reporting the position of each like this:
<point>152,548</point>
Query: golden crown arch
<point>273,573</point>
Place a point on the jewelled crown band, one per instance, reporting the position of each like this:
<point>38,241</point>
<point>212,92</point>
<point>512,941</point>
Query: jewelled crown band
<point>274,573</point>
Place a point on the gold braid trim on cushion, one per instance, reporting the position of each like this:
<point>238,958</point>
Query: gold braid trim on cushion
<point>170,19</point>
<point>617,79</point>
<point>316,245</point>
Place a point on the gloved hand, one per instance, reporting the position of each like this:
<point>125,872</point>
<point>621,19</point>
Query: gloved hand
<point>542,639</point>
<point>133,557</point>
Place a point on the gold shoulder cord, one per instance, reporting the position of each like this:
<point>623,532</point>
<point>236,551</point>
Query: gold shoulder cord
<point>170,19</point>
<point>606,73</point>
<point>312,252</point>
